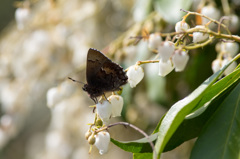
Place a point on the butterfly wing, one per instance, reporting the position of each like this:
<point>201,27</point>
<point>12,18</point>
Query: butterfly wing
<point>102,73</point>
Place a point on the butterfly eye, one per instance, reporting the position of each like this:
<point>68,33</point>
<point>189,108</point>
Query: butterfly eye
<point>84,88</point>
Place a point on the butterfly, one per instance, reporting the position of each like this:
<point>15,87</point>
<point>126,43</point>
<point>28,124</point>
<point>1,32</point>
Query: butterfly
<point>103,75</point>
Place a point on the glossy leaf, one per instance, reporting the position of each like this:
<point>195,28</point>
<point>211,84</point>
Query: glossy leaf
<point>191,128</point>
<point>142,156</point>
<point>136,146</point>
<point>219,87</point>
<point>179,110</point>
<point>220,138</point>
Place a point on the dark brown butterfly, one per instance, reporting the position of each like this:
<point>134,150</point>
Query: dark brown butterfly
<point>103,75</point>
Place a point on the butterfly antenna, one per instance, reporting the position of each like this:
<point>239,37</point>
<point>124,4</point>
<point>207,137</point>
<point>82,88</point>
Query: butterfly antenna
<point>75,80</point>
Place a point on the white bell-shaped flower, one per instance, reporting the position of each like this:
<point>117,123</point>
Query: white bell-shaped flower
<point>56,94</point>
<point>102,140</point>
<point>216,65</point>
<point>104,110</point>
<point>180,59</point>
<point>233,23</point>
<point>135,74</point>
<point>53,97</point>
<point>166,50</point>
<point>154,41</point>
<point>210,11</point>
<point>165,68</point>
<point>22,15</point>
<point>230,47</point>
<point>181,26</point>
<point>198,36</point>
<point>230,68</point>
<point>117,105</point>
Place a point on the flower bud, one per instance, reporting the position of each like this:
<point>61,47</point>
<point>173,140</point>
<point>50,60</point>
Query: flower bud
<point>53,97</point>
<point>218,47</point>
<point>216,65</point>
<point>88,134</point>
<point>102,141</point>
<point>211,12</point>
<point>135,74</point>
<point>165,68</point>
<point>92,139</point>
<point>154,41</point>
<point>117,105</point>
<point>230,47</point>
<point>230,68</point>
<point>198,36</point>
<point>104,110</point>
<point>233,23</point>
<point>22,15</point>
<point>181,26</point>
<point>99,122</point>
<point>166,50</point>
<point>120,91</point>
<point>180,59</point>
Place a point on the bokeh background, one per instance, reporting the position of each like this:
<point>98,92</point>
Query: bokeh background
<point>52,43</point>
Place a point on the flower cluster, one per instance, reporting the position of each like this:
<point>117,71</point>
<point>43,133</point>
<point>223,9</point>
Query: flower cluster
<point>110,108</point>
<point>96,135</point>
<point>226,51</point>
<point>100,139</point>
<point>174,54</point>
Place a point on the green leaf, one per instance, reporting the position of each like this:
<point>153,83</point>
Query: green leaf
<point>217,89</point>
<point>158,125</point>
<point>179,110</point>
<point>192,125</point>
<point>170,9</point>
<point>191,128</point>
<point>136,146</point>
<point>220,138</point>
<point>142,156</point>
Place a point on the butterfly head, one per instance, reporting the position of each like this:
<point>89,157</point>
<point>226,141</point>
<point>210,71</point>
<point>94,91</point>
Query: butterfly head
<point>92,91</point>
<point>85,86</point>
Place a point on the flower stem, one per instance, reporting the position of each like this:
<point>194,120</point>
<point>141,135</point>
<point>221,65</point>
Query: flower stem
<point>136,128</point>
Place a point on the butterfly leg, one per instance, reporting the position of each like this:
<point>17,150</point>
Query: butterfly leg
<point>105,97</point>
<point>94,99</point>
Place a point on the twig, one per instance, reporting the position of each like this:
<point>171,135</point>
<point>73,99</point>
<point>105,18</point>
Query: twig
<point>134,127</point>
<point>212,20</point>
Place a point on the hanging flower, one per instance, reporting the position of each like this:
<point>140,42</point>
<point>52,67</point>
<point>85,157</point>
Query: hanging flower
<point>180,59</point>
<point>53,97</point>
<point>165,68</point>
<point>230,68</point>
<point>102,140</point>
<point>117,105</point>
<point>216,65</point>
<point>198,36</point>
<point>104,110</point>
<point>22,15</point>
<point>166,50</point>
<point>230,47</point>
<point>211,12</point>
<point>181,26</point>
<point>154,41</point>
<point>135,74</point>
<point>233,23</point>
